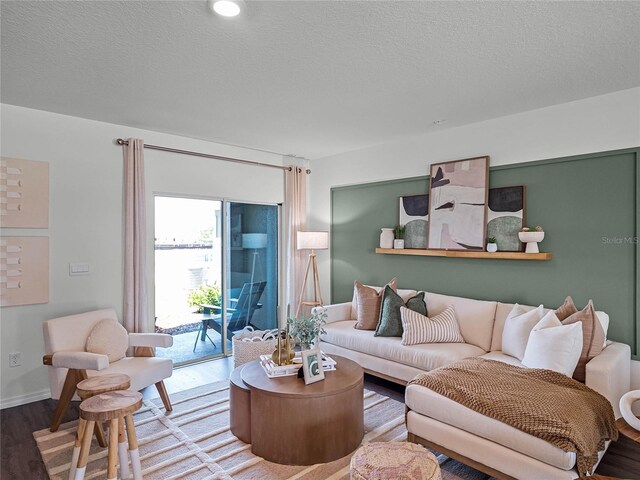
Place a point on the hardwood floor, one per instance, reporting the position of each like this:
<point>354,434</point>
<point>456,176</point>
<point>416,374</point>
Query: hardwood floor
<point>20,459</point>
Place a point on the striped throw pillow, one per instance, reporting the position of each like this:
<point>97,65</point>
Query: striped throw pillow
<point>441,328</point>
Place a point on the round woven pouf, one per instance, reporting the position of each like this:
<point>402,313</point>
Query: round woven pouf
<point>394,460</point>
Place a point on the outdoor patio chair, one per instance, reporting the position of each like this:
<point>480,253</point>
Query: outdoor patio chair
<point>238,315</point>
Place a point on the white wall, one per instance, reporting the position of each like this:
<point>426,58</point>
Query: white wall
<point>602,123</point>
<point>86,220</point>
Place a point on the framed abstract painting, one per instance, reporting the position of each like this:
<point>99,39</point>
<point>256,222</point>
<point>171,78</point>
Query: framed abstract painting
<point>458,192</point>
<point>414,216</point>
<point>506,216</point>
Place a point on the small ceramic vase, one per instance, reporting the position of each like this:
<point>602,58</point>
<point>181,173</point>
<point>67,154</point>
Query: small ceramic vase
<point>386,238</point>
<point>492,247</point>
<point>398,243</point>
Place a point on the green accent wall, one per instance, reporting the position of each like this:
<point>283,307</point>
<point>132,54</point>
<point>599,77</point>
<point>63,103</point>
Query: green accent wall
<point>587,204</point>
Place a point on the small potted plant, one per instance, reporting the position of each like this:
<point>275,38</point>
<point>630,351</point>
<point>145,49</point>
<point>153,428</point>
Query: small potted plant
<point>492,246</point>
<point>399,237</point>
<point>531,236</point>
<point>306,329</point>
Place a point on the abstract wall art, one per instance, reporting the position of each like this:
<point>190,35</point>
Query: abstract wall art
<point>24,270</point>
<point>414,216</point>
<point>506,216</point>
<point>458,200</point>
<point>24,193</point>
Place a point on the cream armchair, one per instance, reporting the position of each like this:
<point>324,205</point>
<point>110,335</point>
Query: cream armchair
<point>68,362</point>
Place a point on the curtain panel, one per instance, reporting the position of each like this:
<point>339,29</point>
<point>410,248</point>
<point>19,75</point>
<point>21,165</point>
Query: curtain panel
<point>295,204</point>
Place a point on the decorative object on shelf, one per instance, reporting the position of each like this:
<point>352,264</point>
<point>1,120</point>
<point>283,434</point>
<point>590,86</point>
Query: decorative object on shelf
<point>492,246</point>
<point>399,237</point>
<point>506,216</point>
<point>311,241</point>
<point>531,236</point>
<point>466,254</point>
<point>626,403</point>
<point>386,238</point>
<point>283,354</point>
<point>312,366</point>
<point>249,344</point>
<point>306,329</point>
<point>414,216</point>
<point>458,199</point>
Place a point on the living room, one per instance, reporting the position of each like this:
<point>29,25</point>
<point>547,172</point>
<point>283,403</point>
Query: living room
<point>363,99</point>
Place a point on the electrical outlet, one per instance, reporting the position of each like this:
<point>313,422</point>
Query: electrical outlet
<point>15,359</point>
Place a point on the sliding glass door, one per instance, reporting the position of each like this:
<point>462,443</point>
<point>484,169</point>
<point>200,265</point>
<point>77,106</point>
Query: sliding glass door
<point>252,266</point>
<point>216,272</point>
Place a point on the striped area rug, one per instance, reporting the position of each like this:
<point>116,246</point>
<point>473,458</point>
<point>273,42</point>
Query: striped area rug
<point>194,442</point>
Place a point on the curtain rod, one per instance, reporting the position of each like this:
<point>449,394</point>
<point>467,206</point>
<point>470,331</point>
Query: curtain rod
<point>121,141</point>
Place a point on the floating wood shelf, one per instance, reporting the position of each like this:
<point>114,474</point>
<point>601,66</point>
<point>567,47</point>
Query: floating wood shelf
<point>466,254</point>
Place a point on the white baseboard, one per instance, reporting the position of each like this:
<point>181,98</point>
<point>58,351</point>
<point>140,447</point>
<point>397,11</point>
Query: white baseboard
<point>24,399</point>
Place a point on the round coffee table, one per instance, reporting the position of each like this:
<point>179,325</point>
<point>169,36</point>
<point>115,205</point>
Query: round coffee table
<point>297,424</point>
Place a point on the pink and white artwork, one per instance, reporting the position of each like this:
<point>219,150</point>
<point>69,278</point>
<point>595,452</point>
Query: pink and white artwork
<point>24,270</point>
<point>24,193</point>
<point>458,204</point>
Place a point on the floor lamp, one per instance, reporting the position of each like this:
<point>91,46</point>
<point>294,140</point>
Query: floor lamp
<point>311,241</point>
<point>255,241</point>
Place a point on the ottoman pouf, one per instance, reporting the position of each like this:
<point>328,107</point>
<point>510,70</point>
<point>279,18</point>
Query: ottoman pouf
<point>394,461</point>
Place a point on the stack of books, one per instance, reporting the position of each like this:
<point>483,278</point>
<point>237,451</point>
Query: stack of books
<point>273,371</point>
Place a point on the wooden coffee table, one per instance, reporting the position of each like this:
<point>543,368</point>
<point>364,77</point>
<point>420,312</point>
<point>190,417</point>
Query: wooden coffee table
<point>297,424</point>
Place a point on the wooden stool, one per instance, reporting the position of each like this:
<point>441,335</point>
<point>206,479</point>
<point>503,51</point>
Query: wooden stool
<point>392,460</point>
<point>87,388</point>
<point>117,408</point>
<point>239,406</point>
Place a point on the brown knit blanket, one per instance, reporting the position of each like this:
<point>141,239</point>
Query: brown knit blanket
<point>542,403</point>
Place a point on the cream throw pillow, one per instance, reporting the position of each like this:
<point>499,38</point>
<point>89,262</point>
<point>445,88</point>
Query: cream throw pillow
<point>554,346</point>
<point>517,328</point>
<point>109,338</point>
<point>441,328</point>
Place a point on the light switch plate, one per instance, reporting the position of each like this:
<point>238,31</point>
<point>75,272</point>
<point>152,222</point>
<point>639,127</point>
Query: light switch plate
<point>78,269</point>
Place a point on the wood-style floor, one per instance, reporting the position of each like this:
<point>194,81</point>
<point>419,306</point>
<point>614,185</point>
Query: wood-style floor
<point>20,459</point>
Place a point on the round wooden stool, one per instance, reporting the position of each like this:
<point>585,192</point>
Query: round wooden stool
<point>392,460</point>
<point>117,408</point>
<point>87,388</point>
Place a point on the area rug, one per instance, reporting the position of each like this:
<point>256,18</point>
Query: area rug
<point>194,442</point>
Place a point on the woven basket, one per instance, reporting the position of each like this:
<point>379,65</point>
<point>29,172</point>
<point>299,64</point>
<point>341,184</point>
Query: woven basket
<point>250,344</point>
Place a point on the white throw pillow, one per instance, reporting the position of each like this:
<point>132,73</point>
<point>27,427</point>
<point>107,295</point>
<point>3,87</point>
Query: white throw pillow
<point>517,328</point>
<point>109,338</point>
<point>554,346</point>
<point>441,328</point>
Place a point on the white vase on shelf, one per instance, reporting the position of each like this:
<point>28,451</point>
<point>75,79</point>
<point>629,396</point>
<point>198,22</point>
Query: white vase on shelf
<point>386,238</point>
<point>531,239</point>
<point>492,247</point>
<point>398,243</point>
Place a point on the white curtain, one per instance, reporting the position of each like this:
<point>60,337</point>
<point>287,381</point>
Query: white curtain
<point>295,205</point>
<point>135,262</point>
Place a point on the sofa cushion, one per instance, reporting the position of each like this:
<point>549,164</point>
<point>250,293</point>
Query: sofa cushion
<point>475,317</point>
<point>390,323</point>
<point>426,356</point>
<point>554,346</point>
<point>593,335</point>
<point>427,402</point>
<point>368,301</point>
<point>441,328</point>
<point>502,357</point>
<point>109,338</point>
<point>405,294</point>
<point>517,328</point>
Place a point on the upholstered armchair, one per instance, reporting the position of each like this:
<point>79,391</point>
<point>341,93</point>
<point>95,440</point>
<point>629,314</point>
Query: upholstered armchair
<point>69,363</point>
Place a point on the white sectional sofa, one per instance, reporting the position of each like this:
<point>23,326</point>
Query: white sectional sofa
<point>448,427</point>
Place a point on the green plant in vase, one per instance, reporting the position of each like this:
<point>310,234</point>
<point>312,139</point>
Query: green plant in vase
<point>399,234</point>
<point>306,329</point>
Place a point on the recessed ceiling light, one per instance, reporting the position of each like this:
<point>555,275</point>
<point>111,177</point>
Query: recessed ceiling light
<point>439,122</point>
<point>226,8</point>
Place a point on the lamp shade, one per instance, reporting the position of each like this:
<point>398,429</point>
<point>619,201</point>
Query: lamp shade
<point>312,240</point>
<point>254,240</point>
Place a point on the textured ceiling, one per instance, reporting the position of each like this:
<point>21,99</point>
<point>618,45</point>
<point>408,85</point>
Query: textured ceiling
<point>312,78</point>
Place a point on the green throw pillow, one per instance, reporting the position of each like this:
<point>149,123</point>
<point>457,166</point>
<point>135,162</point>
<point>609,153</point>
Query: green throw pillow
<point>390,323</point>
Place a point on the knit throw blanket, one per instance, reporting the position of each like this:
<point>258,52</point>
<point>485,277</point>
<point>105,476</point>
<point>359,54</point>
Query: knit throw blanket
<point>542,403</point>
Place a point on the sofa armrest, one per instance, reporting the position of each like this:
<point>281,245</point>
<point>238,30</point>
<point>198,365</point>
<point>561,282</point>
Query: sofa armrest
<point>336,312</point>
<point>150,340</point>
<point>609,373</point>
<point>80,360</point>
